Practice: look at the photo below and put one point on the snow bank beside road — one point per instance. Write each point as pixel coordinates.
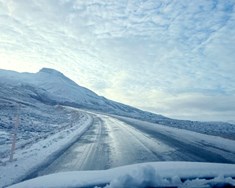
(221, 146)
(41, 152)
(141, 175)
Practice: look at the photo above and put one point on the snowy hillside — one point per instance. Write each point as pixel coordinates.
(51, 87)
(55, 88)
(47, 128)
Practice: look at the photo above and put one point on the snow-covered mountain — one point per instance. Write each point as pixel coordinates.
(51, 86)
(46, 130)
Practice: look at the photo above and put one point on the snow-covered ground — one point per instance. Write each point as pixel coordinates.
(47, 129)
(157, 174)
(225, 147)
(37, 120)
(130, 138)
(52, 87)
(222, 129)
(39, 152)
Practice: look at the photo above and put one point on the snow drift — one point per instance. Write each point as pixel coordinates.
(155, 174)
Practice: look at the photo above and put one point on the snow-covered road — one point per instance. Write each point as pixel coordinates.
(185, 145)
(92, 141)
(112, 142)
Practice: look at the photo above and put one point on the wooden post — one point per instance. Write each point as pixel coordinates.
(17, 122)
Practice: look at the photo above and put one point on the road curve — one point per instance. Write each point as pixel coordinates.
(112, 142)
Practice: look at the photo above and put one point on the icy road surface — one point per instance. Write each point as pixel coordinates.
(115, 141)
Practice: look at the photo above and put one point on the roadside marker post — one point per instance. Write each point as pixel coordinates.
(17, 122)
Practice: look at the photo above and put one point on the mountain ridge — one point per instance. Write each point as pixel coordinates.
(54, 87)
(46, 88)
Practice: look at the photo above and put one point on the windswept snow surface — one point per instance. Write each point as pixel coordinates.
(200, 145)
(47, 130)
(52, 87)
(105, 142)
(158, 174)
(111, 142)
(40, 152)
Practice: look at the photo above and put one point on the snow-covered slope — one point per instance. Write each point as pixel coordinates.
(45, 126)
(49, 86)
(54, 82)
(157, 174)
(55, 88)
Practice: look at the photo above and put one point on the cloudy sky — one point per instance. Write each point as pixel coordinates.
(173, 57)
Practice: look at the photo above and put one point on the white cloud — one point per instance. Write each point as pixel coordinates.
(132, 51)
